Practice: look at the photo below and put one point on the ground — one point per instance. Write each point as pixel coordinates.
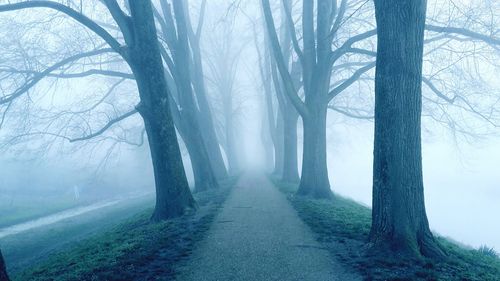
(244, 231)
(259, 236)
(342, 226)
(116, 244)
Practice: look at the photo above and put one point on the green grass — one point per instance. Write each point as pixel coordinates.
(25, 209)
(134, 250)
(343, 226)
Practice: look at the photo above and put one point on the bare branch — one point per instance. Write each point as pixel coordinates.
(84, 20)
(106, 127)
(355, 76)
(22, 90)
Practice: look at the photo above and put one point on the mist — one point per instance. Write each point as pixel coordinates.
(340, 136)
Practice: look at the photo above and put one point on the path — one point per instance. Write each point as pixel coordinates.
(259, 236)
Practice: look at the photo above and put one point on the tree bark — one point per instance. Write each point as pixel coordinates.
(3, 269)
(290, 162)
(314, 181)
(316, 71)
(173, 196)
(278, 144)
(291, 117)
(204, 178)
(206, 116)
(231, 149)
(399, 221)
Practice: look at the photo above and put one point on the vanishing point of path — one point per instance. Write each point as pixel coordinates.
(259, 236)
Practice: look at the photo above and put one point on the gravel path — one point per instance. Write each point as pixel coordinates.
(259, 236)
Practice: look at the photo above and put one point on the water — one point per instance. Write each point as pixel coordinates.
(18, 228)
(462, 184)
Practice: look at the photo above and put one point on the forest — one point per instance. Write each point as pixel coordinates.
(249, 140)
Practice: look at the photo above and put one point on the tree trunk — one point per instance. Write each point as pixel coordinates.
(212, 144)
(206, 116)
(173, 196)
(267, 143)
(232, 151)
(399, 221)
(278, 145)
(3, 269)
(290, 162)
(314, 179)
(189, 113)
(204, 178)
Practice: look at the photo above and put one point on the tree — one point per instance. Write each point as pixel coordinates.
(184, 108)
(399, 220)
(141, 52)
(3, 269)
(288, 112)
(199, 85)
(317, 59)
(223, 62)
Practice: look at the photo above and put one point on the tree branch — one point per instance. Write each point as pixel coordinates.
(292, 31)
(278, 56)
(349, 114)
(355, 76)
(123, 21)
(47, 71)
(465, 32)
(106, 127)
(84, 20)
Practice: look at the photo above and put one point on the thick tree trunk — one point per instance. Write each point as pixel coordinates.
(290, 162)
(278, 145)
(206, 116)
(173, 196)
(3, 269)
(399, 222)
(189, 113)
(291, 117)
(204, 178)
(267, 142)
(212, 145)
(231, 151)
(314, 180)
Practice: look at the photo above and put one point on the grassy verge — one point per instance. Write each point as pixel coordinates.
(135, 249)
(26, 209)
(342, 226)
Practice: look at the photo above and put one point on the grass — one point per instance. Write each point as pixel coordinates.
(135, 249)
(25, 209)
(343, 226)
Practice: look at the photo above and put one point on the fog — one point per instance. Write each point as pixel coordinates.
(52, 162)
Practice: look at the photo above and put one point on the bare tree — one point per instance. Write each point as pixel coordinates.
(317, 59)
(141, 52)
(399, 220)
(336, 50)
(185, 110)
(222, 59)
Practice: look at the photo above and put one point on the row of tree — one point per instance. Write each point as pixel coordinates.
(167, 67)
(316, 55)
(312, 58)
